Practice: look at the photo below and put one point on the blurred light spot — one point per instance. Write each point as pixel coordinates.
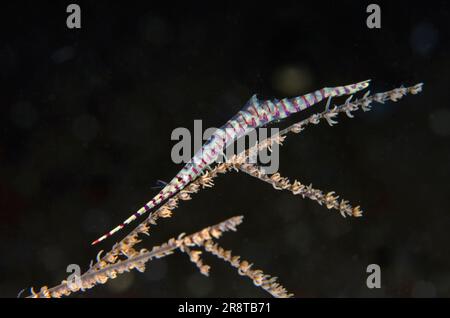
(85, 128)
(423, 289)
(63, 54)
(23, 115)
(199, 285)
(121, 283)
(292, 80)
(424, 38)
(440, 122)
(157, 270)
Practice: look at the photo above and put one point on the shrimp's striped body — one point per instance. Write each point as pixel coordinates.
(255, 114)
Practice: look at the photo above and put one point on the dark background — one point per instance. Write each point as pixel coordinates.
(86, 117)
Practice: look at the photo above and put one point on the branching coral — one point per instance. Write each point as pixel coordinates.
(124, 257)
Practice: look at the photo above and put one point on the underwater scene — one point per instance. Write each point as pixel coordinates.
(289, 149)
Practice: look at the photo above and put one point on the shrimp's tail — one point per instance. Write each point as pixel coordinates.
(154, 202)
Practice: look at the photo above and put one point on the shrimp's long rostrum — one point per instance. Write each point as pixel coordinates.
(253, 115)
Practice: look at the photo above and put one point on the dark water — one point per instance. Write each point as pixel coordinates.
(86, 117)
